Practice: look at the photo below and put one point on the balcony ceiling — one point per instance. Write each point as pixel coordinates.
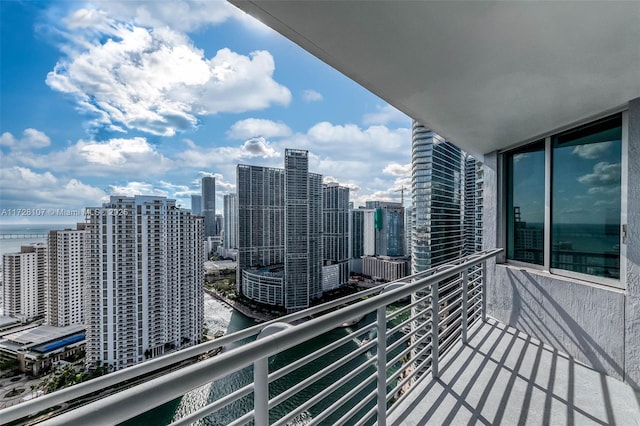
(485, 75)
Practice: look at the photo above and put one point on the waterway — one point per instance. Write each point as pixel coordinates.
(217, 315)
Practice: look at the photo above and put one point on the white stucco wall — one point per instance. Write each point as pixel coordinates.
(596, 324)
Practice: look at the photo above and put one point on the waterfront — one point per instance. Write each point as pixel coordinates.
(199, 397)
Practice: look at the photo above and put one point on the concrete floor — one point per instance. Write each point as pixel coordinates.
(503, 376)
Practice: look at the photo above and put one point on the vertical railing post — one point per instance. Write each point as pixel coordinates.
(434, 330)
(381, 354)
(382, 365)
(483, 287)
(261, 378)
(465, 298)
(261, 391)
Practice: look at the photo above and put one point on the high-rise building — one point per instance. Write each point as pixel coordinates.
(389, 228)
(68, 276)
(24, 277)
(196, 204)
(469, 205)
(208, 187)
(437, 200)
(279, 233)
(408, 226)
(219, 224)
(362, 237)
(335, 231)
(230, 221)
(145, 293)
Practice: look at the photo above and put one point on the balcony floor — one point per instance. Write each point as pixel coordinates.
(504, 376)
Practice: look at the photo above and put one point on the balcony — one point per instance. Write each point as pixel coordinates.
(445, 362)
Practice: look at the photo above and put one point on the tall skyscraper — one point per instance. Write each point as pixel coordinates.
(437, 200)
(279, 233)
(208, 186)
(230, 221)
(362, 237)
(472, 205)
(24, 277)
(145, 295)
(196, 204)
(389, 228)
(335, 233)
(68, 276)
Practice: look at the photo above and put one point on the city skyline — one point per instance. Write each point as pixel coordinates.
(81, 144)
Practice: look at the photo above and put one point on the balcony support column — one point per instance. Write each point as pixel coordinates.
(483, 289)
(465, 297)
(381, 324)
(261, 391)
(261, 378)
(434, 330)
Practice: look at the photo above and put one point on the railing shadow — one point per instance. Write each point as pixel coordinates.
(521, 380)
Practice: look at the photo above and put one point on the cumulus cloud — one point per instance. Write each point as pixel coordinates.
(373, 139)
(311, 96)
(152, 78)
(24, 188)
(128, 157)
(137, 188)
(591, 151)
(384, 115)
(396, 169)
(254, 127)
(198, 156)
(31, 139)
(603, 174)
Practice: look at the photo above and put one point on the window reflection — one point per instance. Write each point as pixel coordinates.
(525, 210)
(585, 194)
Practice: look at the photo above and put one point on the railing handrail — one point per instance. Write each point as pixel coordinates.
(174, 384)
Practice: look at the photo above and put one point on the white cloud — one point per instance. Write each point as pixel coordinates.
(370, 141)
(385, 115)
(152, 78)
(603, 174)
(253, 127)
(25, 189)
(197, 156)
(126, 157)
(311, 96)
(31, 139)
(591, 151)
(137, 188)
(396, 169)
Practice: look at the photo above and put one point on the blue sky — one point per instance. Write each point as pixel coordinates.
(107, 98)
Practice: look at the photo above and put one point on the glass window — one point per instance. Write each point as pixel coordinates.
(525, 209)
(585, 198)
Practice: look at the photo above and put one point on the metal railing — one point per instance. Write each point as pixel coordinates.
(350, 362)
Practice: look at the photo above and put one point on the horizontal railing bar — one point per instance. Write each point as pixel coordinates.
(413, 304)
(172, 385)
(323, 373)
(317, 354)
(404, 323)
(408, 349)
(325, 392)
(448, 318)
(479, 302)
(343, 400)
(475, 296)
(455, 333)
(404, 338)
(215, 406)
(406, 379)
(449, 286)
(359, 406)
(366, 416)
(456, 294)
(113, 379)
(243, 420)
